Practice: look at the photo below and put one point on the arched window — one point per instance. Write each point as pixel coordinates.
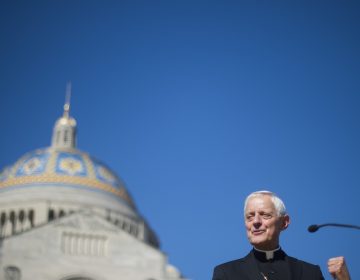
(51, 215)
(66, 136)
(31, 217)
(124, 226)
(12, 220)
(21, 216)
(61, 213)
(2, 219)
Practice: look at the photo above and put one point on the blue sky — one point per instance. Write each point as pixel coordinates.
(195, 104)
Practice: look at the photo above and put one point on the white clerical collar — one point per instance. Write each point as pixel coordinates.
(269, 254)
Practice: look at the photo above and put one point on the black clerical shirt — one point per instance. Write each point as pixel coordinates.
(275, 267)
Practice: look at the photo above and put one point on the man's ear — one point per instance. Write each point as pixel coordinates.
(285, 222)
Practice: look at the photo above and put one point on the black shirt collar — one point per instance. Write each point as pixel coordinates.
(277, 254)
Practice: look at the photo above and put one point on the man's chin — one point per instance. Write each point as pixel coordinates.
(258, 242)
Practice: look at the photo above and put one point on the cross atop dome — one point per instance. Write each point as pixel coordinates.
(67, 100)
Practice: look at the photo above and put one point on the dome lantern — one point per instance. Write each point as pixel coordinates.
(64, 134)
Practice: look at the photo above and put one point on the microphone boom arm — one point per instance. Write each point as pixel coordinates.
(314, 228)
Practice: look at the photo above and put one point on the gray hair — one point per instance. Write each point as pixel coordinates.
(278, 203)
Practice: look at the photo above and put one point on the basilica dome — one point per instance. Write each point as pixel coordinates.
(49, 183)
(64, 168)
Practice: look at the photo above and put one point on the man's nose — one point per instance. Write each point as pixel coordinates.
(257, 219)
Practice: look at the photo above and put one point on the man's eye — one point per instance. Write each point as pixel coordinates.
(267, 216)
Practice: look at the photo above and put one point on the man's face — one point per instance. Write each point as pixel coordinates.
(263, 225)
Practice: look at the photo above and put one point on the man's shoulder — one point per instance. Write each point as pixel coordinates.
(229, 270)
(233, 263)
(307, 269)
(302, 262)
(230, 263)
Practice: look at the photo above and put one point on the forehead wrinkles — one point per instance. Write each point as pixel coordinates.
(257, 204)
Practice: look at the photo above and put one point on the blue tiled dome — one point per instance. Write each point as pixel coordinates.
(63, 165)
(60, 180)
(65, 168)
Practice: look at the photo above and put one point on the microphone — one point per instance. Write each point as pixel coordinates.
(313, 228)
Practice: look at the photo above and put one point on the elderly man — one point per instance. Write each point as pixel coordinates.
(265, 218)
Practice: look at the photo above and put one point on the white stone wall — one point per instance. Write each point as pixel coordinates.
(84, 245)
